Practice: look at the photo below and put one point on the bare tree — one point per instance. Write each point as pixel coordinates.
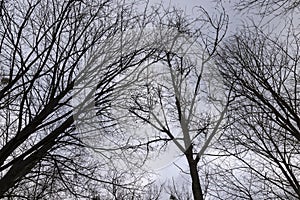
(263, 136)
(176, 99)
(47, 48)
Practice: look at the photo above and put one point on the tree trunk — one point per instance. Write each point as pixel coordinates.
(23, 166)
(196, 187)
